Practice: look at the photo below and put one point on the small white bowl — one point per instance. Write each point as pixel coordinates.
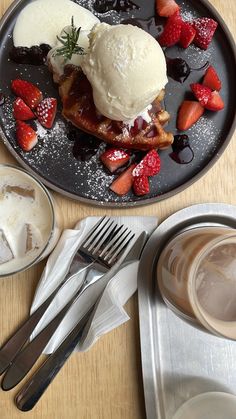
(212, 405)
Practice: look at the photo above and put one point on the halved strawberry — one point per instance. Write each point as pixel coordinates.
(201, 92)
(21, 111)
(205, 29)
(189, 113)
(113, 158)
(141, 185)
(123, 183)
(215, 102)
(172, 30)
(26, 136)
(46, 112)
(27, 91)
(187, 34)
(211, 79)
(166, 7)
(149, 166)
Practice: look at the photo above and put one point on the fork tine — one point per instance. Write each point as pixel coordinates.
(95, 231)
(103, 238)
(112, 256)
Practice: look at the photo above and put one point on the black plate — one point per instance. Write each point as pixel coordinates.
(52, 160)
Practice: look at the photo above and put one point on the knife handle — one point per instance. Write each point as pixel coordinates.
(31, 392)
(14, 344)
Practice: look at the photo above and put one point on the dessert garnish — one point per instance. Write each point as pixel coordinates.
(189, 112)
(179, 70)
(123, 183)
(35, 55)
(26, 136)
(69, 41)
(21, 111)
(104, 6)
(114, 158)
(46, 112)
(182, 152)
(27, 91)
(166, 8)
(211, 79)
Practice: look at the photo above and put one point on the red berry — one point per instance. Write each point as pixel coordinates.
(215, 102)
(26, 136)
(187, 34)
(123, 183)
(46, 112)
(189, 113)
(27, 91)
(211, 79)
(141, 185)
(172, 30)
(21, 111)
(149, 166)
(205, 29)
(201, 92)
(166, 7)
(113, 158)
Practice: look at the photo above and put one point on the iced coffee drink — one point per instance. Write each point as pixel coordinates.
(29, 227)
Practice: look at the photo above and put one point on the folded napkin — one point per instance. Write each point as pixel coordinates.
(109, 312)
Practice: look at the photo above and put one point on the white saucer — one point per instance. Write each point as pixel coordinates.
(213, 405)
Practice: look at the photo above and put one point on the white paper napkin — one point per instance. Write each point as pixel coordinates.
(109, 312)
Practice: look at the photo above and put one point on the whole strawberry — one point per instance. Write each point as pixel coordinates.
(27, 91)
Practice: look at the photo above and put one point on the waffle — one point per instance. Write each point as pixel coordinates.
(78, 108)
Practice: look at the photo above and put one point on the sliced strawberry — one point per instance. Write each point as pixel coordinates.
(189, 113)
(46, 112)
(215, 103)
(113, 158)
(123, 184)
(27, 91)
(187, 34)
(141, 185)
(201, 92)
(211, 79)
(21, 111)
(26, 136)
(172, 30)
(205, 29)
(149, 166)
(166, 7)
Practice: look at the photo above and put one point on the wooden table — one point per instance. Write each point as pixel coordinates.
(105, 383)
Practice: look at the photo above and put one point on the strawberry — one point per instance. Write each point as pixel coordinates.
(211, 79)
(166, 7)
(46, 112)
(201, 92)
(149, 166)
(21, 111)
(26, 136)
(113, 158)
(189, 113)
(141, 185)
(123, 183)
(215, 102)
(205, 29)
(27, 91)
(187, 34)
(172, 30)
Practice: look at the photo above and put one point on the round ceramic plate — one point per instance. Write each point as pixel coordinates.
(52, 160)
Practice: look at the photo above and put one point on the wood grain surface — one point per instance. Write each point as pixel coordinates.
(105, 383)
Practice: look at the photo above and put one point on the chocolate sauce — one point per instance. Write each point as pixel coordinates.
(85, 145)
(104, 6)
(179, 70)
(182, 152)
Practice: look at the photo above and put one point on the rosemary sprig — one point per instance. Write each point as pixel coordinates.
(70, 43)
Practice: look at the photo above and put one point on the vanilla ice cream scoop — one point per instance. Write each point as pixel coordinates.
(126, 68)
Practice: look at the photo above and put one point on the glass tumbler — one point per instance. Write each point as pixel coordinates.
(196, 274)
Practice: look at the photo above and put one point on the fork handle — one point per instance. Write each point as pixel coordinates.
(31, 392)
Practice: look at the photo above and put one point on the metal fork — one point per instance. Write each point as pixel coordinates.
(104, 258)
(96, 245)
